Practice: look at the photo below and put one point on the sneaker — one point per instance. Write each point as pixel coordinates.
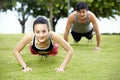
(90, 41)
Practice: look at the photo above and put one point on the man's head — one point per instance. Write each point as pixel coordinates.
(81, 5)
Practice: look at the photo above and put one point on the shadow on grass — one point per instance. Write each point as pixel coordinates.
(85, 46)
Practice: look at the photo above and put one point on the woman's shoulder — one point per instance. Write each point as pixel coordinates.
(54, 34)
(29, 36)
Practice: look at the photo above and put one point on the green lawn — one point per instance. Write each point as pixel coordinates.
(86, 64)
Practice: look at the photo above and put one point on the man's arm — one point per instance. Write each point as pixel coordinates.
(94, 21)
(68, 27)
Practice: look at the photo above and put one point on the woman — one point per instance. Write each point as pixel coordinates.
(43, 41)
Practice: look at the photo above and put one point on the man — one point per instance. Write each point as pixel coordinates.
(79, 23)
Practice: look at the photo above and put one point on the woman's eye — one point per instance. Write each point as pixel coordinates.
(44, 31)
(37, 31)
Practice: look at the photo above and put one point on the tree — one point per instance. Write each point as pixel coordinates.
(7, 4)
(105, 8)
(49, 8)
(34, 8)
(55, 9)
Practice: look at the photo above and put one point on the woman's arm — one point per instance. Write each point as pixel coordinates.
(57, 38)
(19, 47)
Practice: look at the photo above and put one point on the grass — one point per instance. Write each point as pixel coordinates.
(86, 64)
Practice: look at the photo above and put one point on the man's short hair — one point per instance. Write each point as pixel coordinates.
(81, 5)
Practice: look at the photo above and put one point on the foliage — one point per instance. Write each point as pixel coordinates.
(55, 9)
(85, 64)
(105, 8)
(7, 4)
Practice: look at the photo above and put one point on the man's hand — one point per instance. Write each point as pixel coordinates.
(59, 70)
(97, 48)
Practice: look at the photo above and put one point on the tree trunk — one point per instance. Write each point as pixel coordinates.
(23, 29)
(51, 16)
(22, 22)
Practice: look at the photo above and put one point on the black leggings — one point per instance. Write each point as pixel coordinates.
(77, 36)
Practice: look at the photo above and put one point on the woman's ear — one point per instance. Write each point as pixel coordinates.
(48, 30)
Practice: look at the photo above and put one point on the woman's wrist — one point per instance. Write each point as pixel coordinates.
(26, 69)
(23, 67)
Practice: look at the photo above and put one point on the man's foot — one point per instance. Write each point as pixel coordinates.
(90, 41)
(43, 57)
(75, 42)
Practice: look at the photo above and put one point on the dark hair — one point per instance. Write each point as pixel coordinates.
(40, 20)
(81, 5)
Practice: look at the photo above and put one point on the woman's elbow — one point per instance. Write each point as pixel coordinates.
(15, 51)
(71, 51)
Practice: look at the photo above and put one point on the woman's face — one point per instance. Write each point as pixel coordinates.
(82, 13)
(42, 32)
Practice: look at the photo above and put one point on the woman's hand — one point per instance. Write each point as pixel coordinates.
(27, 69)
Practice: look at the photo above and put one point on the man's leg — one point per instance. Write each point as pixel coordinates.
(89, 35)
(76, 36)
